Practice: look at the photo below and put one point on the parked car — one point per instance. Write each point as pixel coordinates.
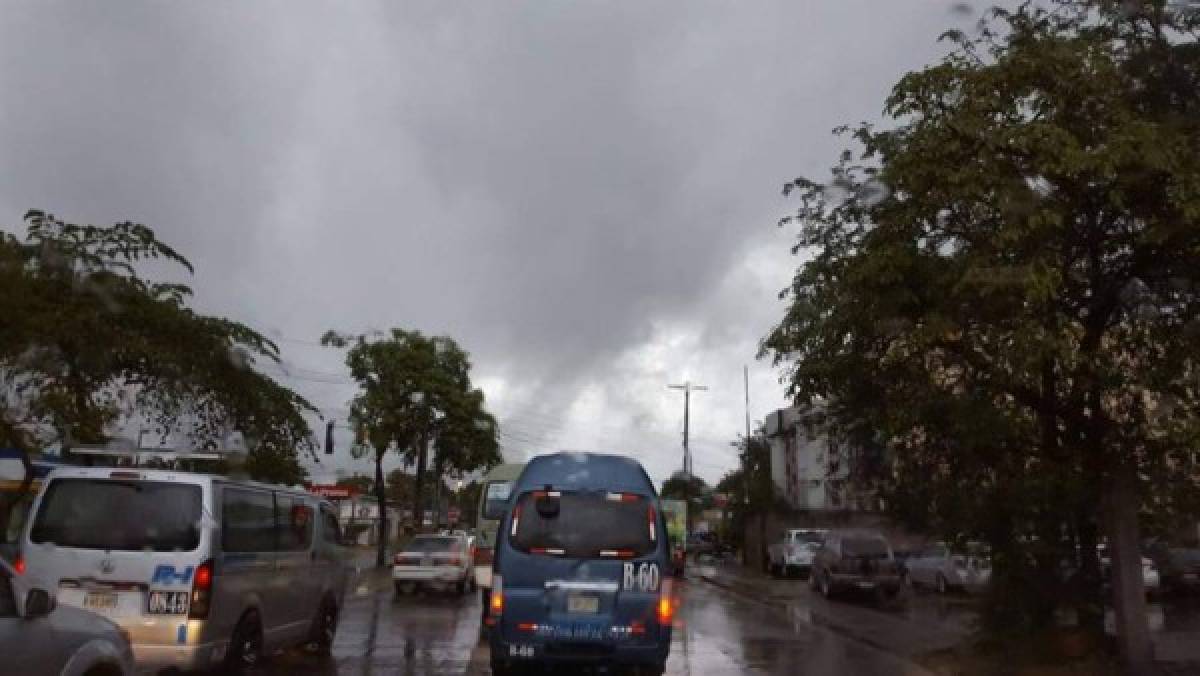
(39, 637)
(794, 552)
(1178, 567)
(435, 560)
(939, 567)
(855, 560)
(200, 570)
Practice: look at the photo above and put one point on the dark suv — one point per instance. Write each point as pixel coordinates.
(856, 560)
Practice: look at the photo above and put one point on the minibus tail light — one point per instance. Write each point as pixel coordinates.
(495, 601)
(19, 565)
(202, 583)
(666, 604)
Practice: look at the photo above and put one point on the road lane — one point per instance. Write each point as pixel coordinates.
(717, 633)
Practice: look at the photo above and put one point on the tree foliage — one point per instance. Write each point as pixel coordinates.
(416, 390)
(1005, 285)
(88, 342)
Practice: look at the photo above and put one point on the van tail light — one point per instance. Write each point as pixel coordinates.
(496, 600)
(202, 582)
(666, 604)
(651, 517)
(516, 519)
(19, 565)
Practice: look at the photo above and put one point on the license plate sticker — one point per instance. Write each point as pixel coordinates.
(167, 603)
(583, 603)
(99, 600)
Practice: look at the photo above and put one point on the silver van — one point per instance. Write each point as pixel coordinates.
(199, 570)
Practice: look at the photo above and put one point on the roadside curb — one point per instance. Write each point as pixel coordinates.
(819, 621)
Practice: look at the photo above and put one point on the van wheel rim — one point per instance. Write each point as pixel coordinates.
(330, 628)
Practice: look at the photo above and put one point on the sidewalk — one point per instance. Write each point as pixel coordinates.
(922, 627)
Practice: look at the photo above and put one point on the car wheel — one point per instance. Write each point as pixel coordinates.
(245, 648)
(324, 629)
(814, 581)
(500, 668)
(826, 587)
(941, 584)
(461, 587)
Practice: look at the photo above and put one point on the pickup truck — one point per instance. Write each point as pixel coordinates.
(793, 553)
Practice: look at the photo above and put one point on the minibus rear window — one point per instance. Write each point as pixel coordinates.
(586, 526)
(116, 515)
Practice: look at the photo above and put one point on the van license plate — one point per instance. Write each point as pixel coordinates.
(582, 603)
(99, 601)
(167, 603)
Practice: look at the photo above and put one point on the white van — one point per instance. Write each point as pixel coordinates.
(199, 570)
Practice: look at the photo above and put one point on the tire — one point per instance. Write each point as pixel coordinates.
(461, 587)
(500, 668)
(324, 629)
(246, 645)
(813, 582)
(826, 587)
(941, 585)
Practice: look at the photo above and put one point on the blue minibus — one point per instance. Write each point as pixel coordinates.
(581, 570)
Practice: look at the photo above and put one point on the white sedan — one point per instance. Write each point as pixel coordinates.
(435, 560)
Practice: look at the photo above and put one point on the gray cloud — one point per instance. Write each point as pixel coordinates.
(561, 186)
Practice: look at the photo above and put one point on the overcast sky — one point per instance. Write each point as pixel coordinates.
(583, 194)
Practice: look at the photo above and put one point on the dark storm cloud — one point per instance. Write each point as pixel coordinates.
(551, 183)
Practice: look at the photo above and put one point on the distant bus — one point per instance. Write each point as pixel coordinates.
(493, 501)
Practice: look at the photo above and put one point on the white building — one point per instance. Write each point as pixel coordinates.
(811, 462)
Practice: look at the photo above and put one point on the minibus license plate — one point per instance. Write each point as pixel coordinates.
(168, 602)
(582, 603)
(100, 601)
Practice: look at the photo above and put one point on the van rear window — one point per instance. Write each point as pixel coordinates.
(586, 525)
(156, 516)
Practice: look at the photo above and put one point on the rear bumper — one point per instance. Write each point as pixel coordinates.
(155, 658)
(848, 581)
(444, 575)
(555, 653)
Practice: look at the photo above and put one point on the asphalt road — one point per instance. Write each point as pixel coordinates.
(716, 633)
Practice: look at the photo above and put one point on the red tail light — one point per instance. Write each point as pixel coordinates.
(651, 518)
(202, 582)
(19, 565)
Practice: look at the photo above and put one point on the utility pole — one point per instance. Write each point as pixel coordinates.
(687, 388)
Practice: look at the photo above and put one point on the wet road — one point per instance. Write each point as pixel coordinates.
(716, 633)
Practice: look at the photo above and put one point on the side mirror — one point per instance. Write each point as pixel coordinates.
(38, 603)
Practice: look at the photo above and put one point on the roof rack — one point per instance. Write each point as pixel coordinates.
(140, 454)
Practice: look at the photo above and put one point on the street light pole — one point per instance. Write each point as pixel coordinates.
(687, 388)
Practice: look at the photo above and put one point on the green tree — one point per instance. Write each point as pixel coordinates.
(416, 390)
(679, 487)
(400, 485)
(88, 342)
(1005, 286)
